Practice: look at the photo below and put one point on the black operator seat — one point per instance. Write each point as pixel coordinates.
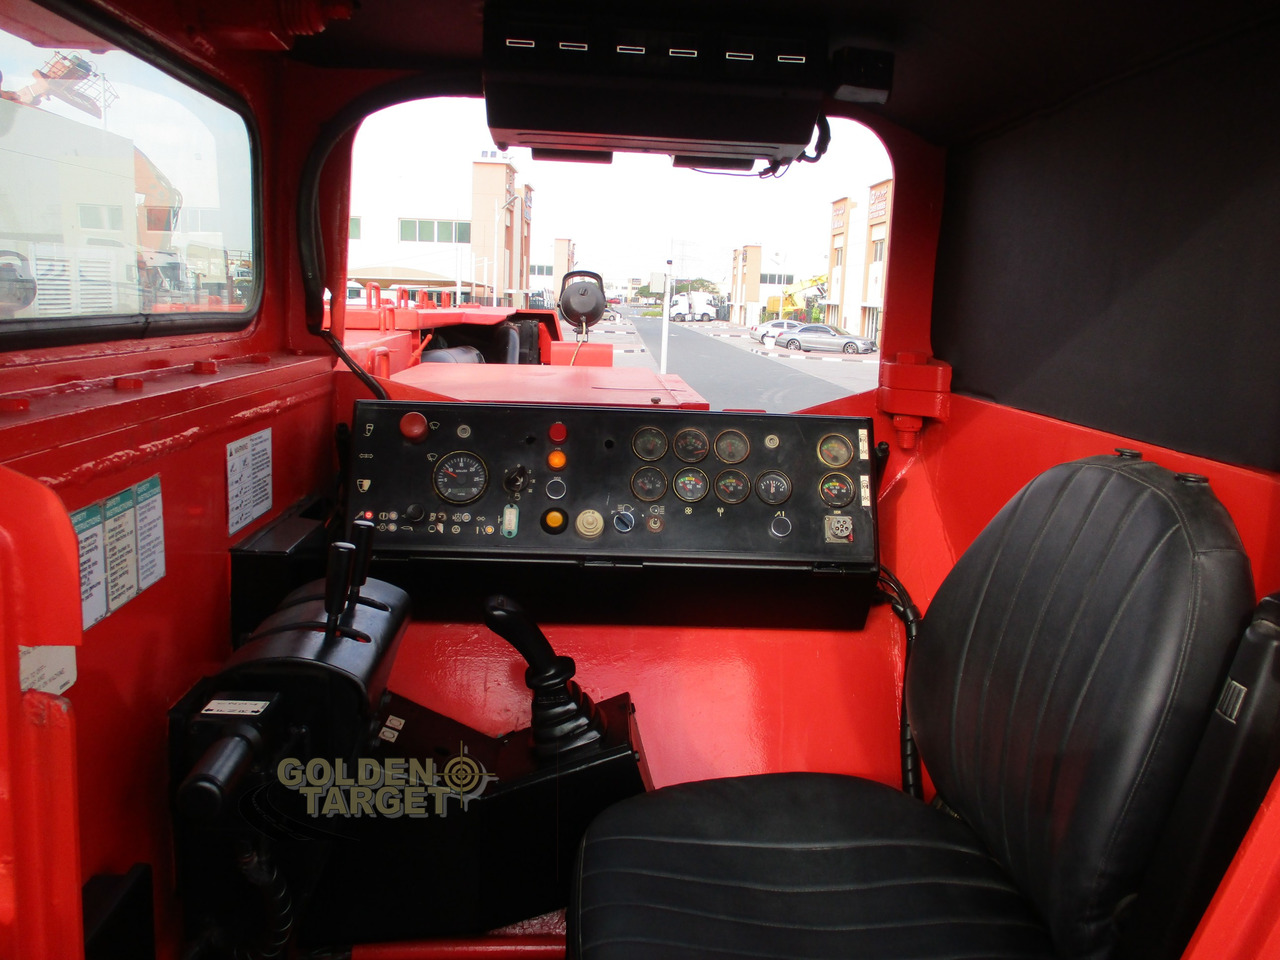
(1062, 679)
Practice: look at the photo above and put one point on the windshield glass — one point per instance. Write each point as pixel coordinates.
(435, 206)
(123, 191)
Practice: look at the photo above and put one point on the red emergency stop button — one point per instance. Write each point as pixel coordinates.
(558, 432)
(413, 426)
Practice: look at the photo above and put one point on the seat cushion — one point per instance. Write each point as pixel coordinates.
(794, 865)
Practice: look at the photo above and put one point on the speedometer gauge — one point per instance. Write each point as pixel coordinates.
(460, 477)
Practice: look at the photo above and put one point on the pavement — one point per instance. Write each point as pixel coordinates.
(630, 351)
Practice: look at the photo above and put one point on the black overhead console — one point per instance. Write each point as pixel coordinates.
(578, 81)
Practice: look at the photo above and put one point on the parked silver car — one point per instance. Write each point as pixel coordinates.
(822, 336)
(771, 328)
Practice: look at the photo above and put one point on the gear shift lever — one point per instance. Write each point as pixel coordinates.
(564, 718)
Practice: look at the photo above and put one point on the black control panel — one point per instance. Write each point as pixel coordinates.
(615, 486)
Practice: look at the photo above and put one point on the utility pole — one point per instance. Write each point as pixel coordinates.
(666, 318)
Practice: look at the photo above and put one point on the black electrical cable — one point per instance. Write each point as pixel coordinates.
(366, 378)
(892, 590)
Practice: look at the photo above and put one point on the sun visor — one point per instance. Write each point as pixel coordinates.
(572, 83)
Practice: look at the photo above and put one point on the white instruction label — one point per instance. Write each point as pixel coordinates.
(248, 479)
(150, 509)
(47, 669)
(121, 531)
(121, 548)
(235, 708)
(93, 564)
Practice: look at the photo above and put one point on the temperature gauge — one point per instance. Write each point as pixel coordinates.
(733, 486)
(773, 487)
(836, 490)
(460, 477)
(649, 483)
(691, 445)
(732, 446)
(835, 450)
(690, 485)
(649, 443)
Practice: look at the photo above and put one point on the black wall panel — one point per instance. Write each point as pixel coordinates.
(1116, 262)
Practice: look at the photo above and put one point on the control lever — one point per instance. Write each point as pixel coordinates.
(337, 581)
(564, 718)
(362, 540)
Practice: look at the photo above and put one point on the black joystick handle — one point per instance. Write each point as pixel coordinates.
(337, 581)
(362, 540)
(508, 620)
(564, 718)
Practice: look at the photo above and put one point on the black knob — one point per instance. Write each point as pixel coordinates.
(212, 781)
(517, 479)
(362, 537)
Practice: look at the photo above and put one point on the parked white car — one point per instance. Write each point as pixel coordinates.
(769, 330)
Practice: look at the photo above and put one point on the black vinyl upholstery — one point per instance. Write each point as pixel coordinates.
(1061, 682)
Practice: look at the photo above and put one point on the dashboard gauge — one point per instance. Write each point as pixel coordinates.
(649, 443)
(690, 485)
(460, 477)
(733, 486)
(773, 487)
(835, 450)
(732, 446)
(649, 483)
(691, 445)
(836, 490)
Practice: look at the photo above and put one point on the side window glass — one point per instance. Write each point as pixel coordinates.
(124, 192)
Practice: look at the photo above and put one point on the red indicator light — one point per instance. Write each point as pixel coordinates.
(558, 433)
(368, 514)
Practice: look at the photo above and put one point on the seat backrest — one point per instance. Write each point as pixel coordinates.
(1065, 672)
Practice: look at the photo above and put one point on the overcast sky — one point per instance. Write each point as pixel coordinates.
(629, 217)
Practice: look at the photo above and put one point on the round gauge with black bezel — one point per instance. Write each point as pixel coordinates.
(733, 486)
(732, 446)
(691, 445)
(460, 477)
(773, 487)
(836, 490)
(649, 484)
(649, 443)
(835, 450)
(690, 484)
